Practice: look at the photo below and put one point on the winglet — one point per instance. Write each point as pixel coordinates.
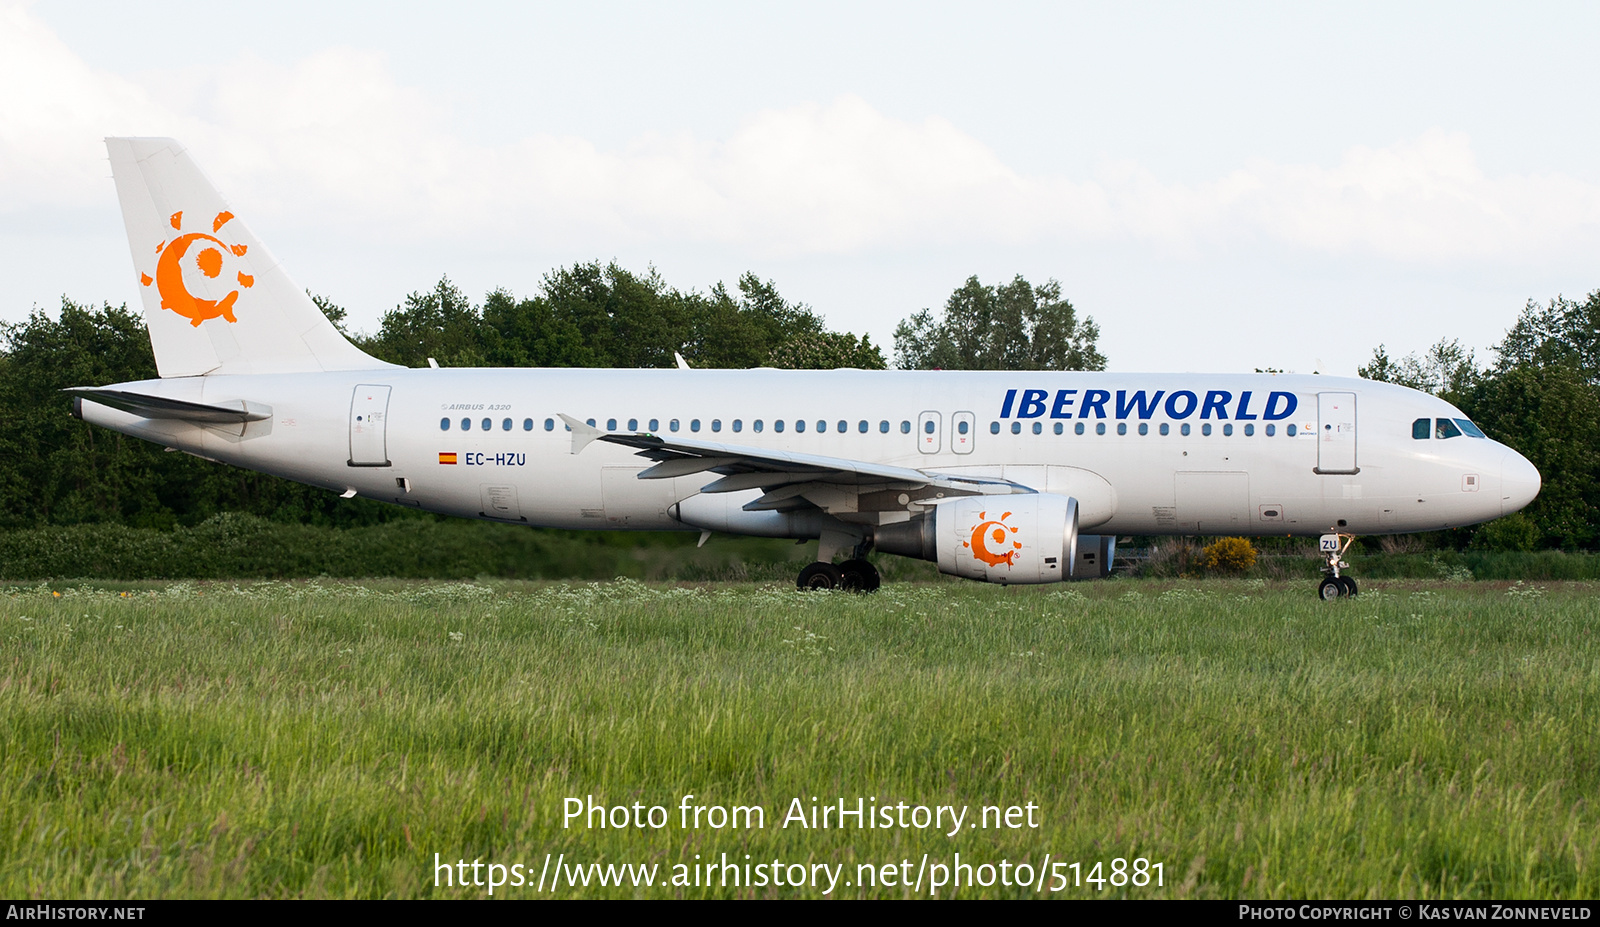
(582, 433)
(682, 364)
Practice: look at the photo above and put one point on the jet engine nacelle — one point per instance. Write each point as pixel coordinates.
(1025, 538)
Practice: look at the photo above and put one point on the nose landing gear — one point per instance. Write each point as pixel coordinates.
(1334, 585)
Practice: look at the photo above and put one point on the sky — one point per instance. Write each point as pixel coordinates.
(1221, 186)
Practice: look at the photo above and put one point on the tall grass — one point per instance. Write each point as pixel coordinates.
(327, 738)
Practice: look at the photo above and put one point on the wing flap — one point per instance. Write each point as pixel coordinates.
(854, 490)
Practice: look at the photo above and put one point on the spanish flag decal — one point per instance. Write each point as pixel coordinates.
(447, 458)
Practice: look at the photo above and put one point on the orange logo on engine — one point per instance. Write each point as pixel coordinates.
(994, 532)
(207, 259)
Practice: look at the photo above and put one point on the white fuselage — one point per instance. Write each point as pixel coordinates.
(1356, 468)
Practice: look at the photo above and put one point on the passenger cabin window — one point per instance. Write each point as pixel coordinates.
(1038, 428)
(1206, 429)
(527, 424)
(883, 427)
(489, 426)
(1122, 428)
(694, 424)
(994, 428)
(1446, 429)
(1421, 429)
(778, 426)
(844, 426)
(549, 424)
(655, 424)
(716, 424)
(1165, 428)
(962, 427)
(863, 427)
(1289, 431)
(757, 425)
(1016, 428)
(1077, 429)
(1144, 428)
(1249, 430)
(1060, 428)
(611, 424)
(466, 424)
(905, 428)
(505, 424)
(444, 424)
(799, 425)
(1100, 428)
(738, 425)
(672, 425)
(822, 427)
(633, 424)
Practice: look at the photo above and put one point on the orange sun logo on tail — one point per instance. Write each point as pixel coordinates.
(209, 257)
(993, 532)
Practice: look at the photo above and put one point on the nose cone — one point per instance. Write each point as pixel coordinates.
(1519, 482)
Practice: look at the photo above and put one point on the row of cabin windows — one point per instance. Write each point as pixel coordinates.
(759, 425)
(863, 427)
(1423, 428)
(1144, 429)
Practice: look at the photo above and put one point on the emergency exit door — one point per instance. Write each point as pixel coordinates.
(929, 426)
(1336, 433)
(963, 429)
(369, 412)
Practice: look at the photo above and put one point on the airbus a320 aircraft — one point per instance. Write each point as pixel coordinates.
(994, 476)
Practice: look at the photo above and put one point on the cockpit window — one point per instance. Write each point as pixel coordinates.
(1445, 428)
(1470, 428)
(1422, 429)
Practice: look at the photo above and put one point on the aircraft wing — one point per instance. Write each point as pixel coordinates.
(854, 490)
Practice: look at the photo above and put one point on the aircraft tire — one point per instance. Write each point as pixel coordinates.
(1330, 589)
(1349, 584)
(820, 575)
(859, 576)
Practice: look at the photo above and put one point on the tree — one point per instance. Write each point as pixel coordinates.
(1448, 370)
(826, 351)
(1561, 332)
(1546, 412)
(1015, 326)
(593, 315)
(442, 324)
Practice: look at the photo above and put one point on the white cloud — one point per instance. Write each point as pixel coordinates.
(334, 139)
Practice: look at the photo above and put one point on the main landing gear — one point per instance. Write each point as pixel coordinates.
(857, 575)
(1334, 585)
(854, 575)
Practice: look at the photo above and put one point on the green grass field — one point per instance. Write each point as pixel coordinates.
(326, 739)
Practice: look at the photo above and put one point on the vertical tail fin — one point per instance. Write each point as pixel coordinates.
(215, 300)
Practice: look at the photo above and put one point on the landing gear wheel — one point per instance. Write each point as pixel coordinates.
(820, 575)
(1349, 584)
(1330, 589)
(859, 576)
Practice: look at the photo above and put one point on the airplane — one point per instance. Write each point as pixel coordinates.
(997, 476)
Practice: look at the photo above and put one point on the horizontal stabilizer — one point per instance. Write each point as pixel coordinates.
(231, 412)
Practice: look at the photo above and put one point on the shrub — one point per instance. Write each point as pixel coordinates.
(1228, 555)
(1515, 532)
